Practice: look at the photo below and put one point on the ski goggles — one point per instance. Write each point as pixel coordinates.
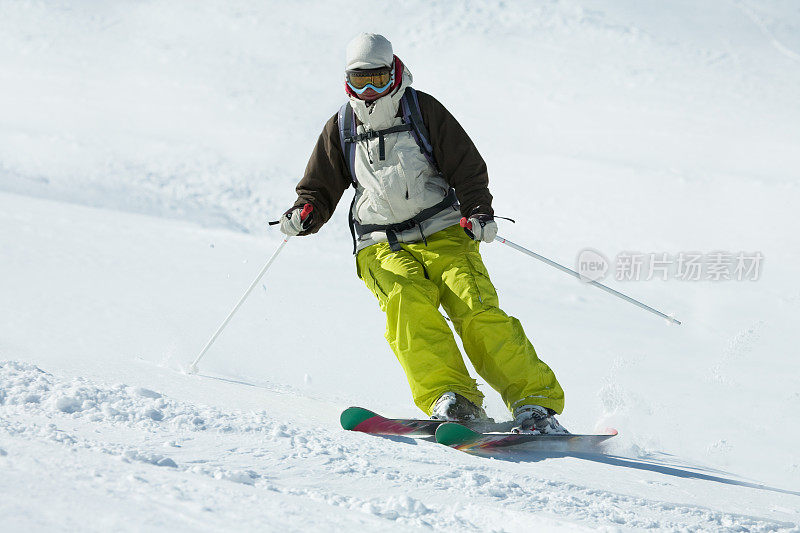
(377, 79)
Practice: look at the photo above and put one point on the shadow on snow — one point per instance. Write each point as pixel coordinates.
(648, 464)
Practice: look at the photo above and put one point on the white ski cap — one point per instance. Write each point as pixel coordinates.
(369, 50)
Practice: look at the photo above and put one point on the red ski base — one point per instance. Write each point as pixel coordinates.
(364, 420)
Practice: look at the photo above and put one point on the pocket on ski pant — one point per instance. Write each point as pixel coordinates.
(487, 295)
(367, 275)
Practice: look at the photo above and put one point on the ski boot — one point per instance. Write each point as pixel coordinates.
(453, 407)
(537, 420)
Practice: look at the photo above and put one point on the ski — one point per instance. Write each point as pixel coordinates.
(465, 439)
(366, 421)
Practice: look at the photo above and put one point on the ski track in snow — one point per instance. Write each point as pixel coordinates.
(779, 46)
(141, 427)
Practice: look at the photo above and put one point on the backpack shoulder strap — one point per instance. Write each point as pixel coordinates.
(347, 133)
(413, 116)
(347, 130)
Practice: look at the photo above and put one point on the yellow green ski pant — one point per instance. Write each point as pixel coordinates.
(411, 284)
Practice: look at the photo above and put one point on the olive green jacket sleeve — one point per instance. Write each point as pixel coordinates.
(457, 157)
(326, 177)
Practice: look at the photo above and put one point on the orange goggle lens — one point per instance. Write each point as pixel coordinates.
(360, 79)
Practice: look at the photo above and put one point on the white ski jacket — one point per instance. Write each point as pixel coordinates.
(400, 186)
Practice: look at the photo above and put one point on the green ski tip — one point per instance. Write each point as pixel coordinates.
(452, 434)
(353, 416)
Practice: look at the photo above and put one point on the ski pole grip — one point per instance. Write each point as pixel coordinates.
(465, 223)
(307, 209)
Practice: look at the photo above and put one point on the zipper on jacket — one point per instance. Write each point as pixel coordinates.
(369, 155)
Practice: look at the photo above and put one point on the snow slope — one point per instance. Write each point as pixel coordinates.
(143, 145)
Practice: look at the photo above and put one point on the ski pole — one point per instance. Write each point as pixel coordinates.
(467, 224)
(193, 367)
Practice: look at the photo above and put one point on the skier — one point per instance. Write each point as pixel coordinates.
(416, 173)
